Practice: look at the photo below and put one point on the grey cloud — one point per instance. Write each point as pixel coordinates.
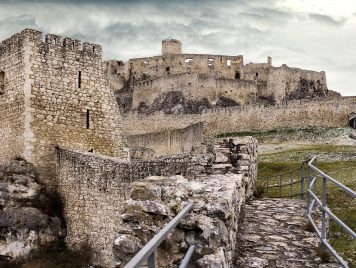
(254, 28)
(328, 20)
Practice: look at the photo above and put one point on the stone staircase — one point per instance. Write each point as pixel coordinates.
(273, 235)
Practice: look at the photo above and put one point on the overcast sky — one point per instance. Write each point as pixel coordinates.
(311, 34)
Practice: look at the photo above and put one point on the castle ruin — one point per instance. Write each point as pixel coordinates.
(58, 111)
(206, 81)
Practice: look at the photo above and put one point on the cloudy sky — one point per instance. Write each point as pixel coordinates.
(311, 34)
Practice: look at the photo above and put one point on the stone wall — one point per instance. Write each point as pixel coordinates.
(12, 98)
(194, 87)
(56, 95)
(170, 142)
(213, 223)
(303, 113)
(94, 187)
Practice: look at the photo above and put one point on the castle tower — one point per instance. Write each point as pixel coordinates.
(54, 93)
(171, 46)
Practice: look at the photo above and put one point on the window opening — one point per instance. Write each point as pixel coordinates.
(2, 83)
(88, 119)
(79, 79)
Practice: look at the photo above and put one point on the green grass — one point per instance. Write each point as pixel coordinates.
(336, 161)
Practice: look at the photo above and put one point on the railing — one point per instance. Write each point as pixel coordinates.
(147, 253)
(312, 200)
(275, 186)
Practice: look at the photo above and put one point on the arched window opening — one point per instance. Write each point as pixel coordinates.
(237, 75)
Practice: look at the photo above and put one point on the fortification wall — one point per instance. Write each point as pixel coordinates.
(116, 72)
(213, 65)
(303, 113)
(170, 142)
(94, 188)
(285, 82)
(12, 97)
(72, 104)
(66, 100)
(194, 87)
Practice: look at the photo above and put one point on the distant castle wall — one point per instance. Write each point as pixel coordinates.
(194, 87)
(323, 112)
(171, 141)
(211, 65)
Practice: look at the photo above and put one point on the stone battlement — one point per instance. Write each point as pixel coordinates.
(50, 41)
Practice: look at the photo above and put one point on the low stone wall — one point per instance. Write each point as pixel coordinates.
(94, 187)
(170, 142)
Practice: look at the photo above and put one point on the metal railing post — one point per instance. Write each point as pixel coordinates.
(308, 195)
(151, 262)
(280, 186)
(302, 181)
(323, 213)
(316, 176)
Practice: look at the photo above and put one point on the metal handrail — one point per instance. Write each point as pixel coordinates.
(280, 184)
(312, 199)
(147, 253)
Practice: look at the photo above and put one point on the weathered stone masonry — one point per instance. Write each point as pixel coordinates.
(95, 187)
(326, 113)
(170, 142)
(55, 94)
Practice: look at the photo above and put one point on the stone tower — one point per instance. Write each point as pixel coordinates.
(171, 46)
(54, 93)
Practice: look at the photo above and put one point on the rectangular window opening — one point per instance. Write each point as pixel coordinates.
(88, 119)
(79, 79)
(228, 63)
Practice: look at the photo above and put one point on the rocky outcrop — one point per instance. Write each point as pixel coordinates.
(27, 220)
(212, 224)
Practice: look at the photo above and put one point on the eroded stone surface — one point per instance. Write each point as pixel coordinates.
(26, 223)
(273, 235)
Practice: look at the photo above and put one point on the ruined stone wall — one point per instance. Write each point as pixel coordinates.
(326, 113)
(116, 72)
(212, 225)
(279, 83)
(12, 97)
(170, 142)
(194, 87)
(212, 65)
(94, 187)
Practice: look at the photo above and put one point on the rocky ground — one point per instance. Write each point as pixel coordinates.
(28, 220)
